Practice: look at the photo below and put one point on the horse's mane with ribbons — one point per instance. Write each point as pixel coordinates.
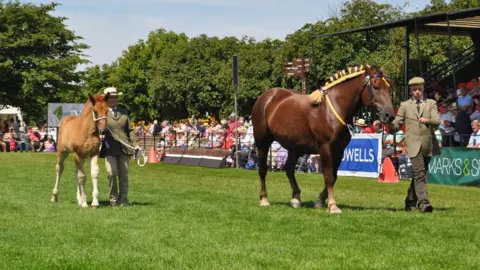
(341, 76)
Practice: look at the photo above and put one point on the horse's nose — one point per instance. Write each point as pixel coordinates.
(389, 117)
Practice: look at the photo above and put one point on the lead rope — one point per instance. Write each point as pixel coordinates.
(136, 152)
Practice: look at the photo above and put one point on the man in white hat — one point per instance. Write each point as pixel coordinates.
(421, 117)
(117, 149)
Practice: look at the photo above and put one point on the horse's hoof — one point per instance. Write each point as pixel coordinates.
(54, 199)
(320, 204)
(295, 203)
(264, 202)
(94, 206)
(333, 209)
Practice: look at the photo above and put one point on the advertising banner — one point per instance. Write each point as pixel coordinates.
(56, 112)
(363, 156)
(455, 166)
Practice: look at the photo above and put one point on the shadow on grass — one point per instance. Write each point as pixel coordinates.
(311, 204)
(105, 203)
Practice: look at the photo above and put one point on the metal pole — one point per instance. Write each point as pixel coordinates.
(451, 51)
(419, 53)
(407, 61)
(314, 61)
(235, 83)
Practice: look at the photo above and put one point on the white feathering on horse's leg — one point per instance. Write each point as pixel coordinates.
(81, 181)
(333, 209)
(94, 171)
(58, 170)
(295, 203)
(79, 198)
(264, 202)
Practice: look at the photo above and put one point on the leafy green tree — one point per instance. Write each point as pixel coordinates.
(38, 57)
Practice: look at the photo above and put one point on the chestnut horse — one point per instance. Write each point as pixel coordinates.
(303, 124)
(80, 135)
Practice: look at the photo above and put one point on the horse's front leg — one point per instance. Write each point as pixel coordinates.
(94, 169)
(336, 161)
(326, 156)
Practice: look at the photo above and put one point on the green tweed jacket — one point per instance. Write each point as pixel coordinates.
(419, 136)
(119, 130)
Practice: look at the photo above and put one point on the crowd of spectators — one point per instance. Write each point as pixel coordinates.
(16, 136)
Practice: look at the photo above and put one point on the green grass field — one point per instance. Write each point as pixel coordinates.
(197, 218)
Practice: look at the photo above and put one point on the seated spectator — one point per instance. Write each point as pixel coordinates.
(313, 163)
(393, 144)
(218, 138)
(438, 135)
(463, 122)
(445, 113)
(447, 132)
(245, 140)
(362, 126)
(453, 110)
(281, 158)
(49, 145)
(193, 139)
(229, 140)
(476, 113)
(377, 126)
(474, 141)
(3, 145)
(10, 139)
(452, 97)
(35, 139)
(23, 142)
(181, 138)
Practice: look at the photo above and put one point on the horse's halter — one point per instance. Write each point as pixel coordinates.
(95, 119)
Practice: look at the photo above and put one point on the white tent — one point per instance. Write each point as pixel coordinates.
(9, 111)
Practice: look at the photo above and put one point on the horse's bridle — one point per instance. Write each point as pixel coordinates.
(370, 92)
(370, 98)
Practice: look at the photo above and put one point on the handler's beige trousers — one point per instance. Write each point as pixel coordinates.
(117, 166)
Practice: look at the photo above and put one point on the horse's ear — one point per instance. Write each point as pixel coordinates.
(92, 100)
(107, 96)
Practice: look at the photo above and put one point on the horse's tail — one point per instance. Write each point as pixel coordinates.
(261, 132)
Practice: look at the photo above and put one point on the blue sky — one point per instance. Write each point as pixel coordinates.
(110, 26)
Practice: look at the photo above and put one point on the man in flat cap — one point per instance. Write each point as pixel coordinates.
(421, 117)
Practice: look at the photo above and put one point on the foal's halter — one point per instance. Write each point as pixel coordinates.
(95, 119)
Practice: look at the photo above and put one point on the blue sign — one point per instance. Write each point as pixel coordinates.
(362, 156)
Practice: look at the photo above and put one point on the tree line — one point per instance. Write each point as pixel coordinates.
(170, 75)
